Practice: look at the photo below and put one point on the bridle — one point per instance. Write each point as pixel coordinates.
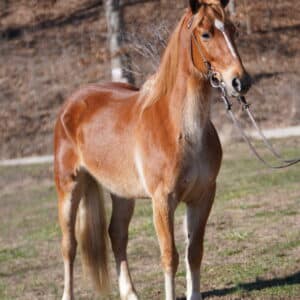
(216, 82)
(219, 84)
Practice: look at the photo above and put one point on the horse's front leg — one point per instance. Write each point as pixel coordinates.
(163, 214)
(196, 218)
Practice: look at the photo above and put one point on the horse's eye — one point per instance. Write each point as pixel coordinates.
(206, 36)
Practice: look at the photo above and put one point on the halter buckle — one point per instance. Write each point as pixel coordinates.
(190, 22)
(215, 79)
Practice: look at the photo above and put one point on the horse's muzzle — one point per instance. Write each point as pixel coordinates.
(242, 84)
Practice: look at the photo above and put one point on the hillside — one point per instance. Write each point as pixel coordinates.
(50, 48)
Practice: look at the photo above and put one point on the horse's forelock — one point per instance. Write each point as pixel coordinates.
(206, 5)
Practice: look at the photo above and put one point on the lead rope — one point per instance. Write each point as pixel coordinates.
(216, 83)
(246, 107)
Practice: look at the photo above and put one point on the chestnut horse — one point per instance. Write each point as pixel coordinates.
(157, 142)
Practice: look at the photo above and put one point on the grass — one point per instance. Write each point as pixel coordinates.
(15, 254)
(3, 295)
(252, 244)
(238, 235)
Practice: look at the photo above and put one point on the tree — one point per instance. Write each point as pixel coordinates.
(231, 8)
(119, 59)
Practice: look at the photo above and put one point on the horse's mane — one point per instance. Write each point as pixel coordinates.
(162, 82)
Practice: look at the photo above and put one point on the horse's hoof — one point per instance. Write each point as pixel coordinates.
(195, 296)
(132, 296)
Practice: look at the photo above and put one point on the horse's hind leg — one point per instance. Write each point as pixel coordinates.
(196, 217)
(122, 211)
(69, 199)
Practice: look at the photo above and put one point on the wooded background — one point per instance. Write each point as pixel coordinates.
(50, 48)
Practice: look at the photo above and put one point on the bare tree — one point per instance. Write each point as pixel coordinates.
(248, 17)
(231, 7)
(295, 102)
(120, 60)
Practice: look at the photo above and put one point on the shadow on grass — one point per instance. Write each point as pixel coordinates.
(253, 286)
(256, 286)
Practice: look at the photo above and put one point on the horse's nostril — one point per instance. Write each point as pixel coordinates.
(248, 81)
(237, 85)
(242, 85)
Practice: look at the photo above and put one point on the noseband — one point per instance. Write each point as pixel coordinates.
(216, 82)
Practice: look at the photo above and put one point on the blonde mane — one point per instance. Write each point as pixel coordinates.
(162, 82)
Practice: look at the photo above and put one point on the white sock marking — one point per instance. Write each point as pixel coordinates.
(169, 287)
(125, 283)
(67, 281)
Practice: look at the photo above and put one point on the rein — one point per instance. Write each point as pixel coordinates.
(219, 84)
(215, 80)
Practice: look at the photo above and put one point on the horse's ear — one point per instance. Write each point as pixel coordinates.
(224, 2)
(195, 5)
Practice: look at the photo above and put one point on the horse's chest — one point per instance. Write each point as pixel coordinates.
(199, 170)
(194, 175)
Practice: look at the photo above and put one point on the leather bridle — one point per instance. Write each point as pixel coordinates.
(216, 82)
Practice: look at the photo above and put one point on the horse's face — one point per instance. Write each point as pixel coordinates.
(213, 41)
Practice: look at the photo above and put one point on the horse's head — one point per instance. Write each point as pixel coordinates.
(212, 42)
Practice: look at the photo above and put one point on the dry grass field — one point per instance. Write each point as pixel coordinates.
(48, 49)
(252, 244)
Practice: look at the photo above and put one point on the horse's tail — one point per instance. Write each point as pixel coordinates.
(91, 234)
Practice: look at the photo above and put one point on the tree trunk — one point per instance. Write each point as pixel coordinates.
(119, 59)
(231, 8)
(295, 102)
(249, 24)
(248, 17)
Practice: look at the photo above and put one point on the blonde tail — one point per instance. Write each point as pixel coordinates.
(91, 234)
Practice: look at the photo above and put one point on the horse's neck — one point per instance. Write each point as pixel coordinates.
(187, 101)
(196, 110)
(188, 107)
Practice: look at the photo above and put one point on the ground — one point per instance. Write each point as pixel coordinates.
(252, 243)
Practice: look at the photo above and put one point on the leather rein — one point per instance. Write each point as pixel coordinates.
(216, 81)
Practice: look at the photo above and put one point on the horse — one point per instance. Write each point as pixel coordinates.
(157, 142)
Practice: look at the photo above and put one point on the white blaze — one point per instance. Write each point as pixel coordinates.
(220, 25)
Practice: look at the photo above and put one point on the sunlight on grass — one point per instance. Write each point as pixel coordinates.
(241, 176)
(46, 232)
(238, 235)
(251, 246)
(3, 292)
(16, 253)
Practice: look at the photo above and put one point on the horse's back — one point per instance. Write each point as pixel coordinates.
(108, 91)
(98, 123)
(89, 100)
